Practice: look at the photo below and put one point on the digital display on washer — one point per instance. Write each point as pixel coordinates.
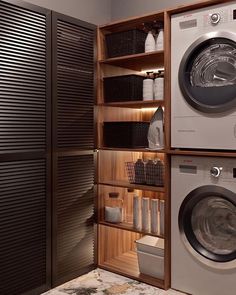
(187, 24)
(234, 14)
(190, 169)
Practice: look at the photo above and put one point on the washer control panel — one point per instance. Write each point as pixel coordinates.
(215, 18)
(216, 171)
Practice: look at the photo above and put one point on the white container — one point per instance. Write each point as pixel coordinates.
(162, 217)
(150, 44)
(136, 212)
(151, 265)
(148, 89)
(160, 40)
(113, 214)
(145, 215)
(151, 245)
(154, 215)
(159, 88)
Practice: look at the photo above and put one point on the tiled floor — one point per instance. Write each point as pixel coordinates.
(101, 282)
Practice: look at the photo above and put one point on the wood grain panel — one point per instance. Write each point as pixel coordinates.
(114, 242)
(112, 164)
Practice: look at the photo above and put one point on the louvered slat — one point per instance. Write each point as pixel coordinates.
(74, 215)
(75, 86)
(22, 79)
(22, 225)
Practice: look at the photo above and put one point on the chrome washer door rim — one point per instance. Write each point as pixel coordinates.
(188, 96)
(188, 237)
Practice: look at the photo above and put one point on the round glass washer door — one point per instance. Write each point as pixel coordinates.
(207, 223)
(207, 73)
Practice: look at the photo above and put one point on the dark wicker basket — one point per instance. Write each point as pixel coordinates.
(125, 43)
(123, 88)
(125, 134)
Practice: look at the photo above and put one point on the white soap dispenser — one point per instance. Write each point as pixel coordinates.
(160, 40)
(150, 44)
(148, 87)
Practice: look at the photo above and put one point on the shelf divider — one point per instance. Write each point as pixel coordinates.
(139, 104)
(138, 62)
(126, 226)
(126, 184)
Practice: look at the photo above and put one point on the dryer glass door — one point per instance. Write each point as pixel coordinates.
(207, 74)
(207, 218)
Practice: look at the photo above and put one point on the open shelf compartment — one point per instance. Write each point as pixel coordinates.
(118, 254)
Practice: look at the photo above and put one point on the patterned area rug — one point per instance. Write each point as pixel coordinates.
(101, 282)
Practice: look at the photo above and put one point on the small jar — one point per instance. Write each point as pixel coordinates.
(113, 208)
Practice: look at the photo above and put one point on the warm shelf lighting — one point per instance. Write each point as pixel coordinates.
(152, 70)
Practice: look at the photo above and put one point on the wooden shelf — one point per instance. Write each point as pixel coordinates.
(135, 104)
(126, 184)
(138, 62)
(142, 150)
(207, 153)
(127, 226)
(127, 263)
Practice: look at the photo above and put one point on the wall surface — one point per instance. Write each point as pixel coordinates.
(125, 8)
(93, 11)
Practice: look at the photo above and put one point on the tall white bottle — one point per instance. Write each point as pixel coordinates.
(154, 216)
(159, 86)
(145, 215)
(148, 87)
(150, 44)
(162, 217)
(136, 212)
(160, 40)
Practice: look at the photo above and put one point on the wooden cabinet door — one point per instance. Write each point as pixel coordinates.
(25, 148)
(73, 147)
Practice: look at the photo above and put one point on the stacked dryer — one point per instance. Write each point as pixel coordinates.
(203, 116)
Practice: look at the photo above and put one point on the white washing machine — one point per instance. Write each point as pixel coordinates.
(203, 225)
(203, 78)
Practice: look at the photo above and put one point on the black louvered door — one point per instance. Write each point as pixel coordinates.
(25, 161)
(73, 147)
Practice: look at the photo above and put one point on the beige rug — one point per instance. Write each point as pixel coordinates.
(101, 282)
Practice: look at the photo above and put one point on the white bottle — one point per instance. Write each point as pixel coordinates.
(154, 216)
(148, 87)
(136, 212)
(159, 86)
(160, 40)
(162, 218)
(150, 44)
(145, 215)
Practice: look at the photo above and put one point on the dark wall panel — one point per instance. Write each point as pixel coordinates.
(74, 216)
(22, 79)
(74, 84)
(25, 147)
(23, 228)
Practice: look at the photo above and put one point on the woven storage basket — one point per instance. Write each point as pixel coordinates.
(125, 134)
(125, 43)
(123, 88)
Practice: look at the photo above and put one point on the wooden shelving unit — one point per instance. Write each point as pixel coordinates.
(116, 242)
(135, 104)
(140, 150)
(126, 184)
(137, 62)
(129, 227)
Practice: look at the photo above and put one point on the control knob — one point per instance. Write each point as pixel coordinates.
(215, 171)
(215, 18)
